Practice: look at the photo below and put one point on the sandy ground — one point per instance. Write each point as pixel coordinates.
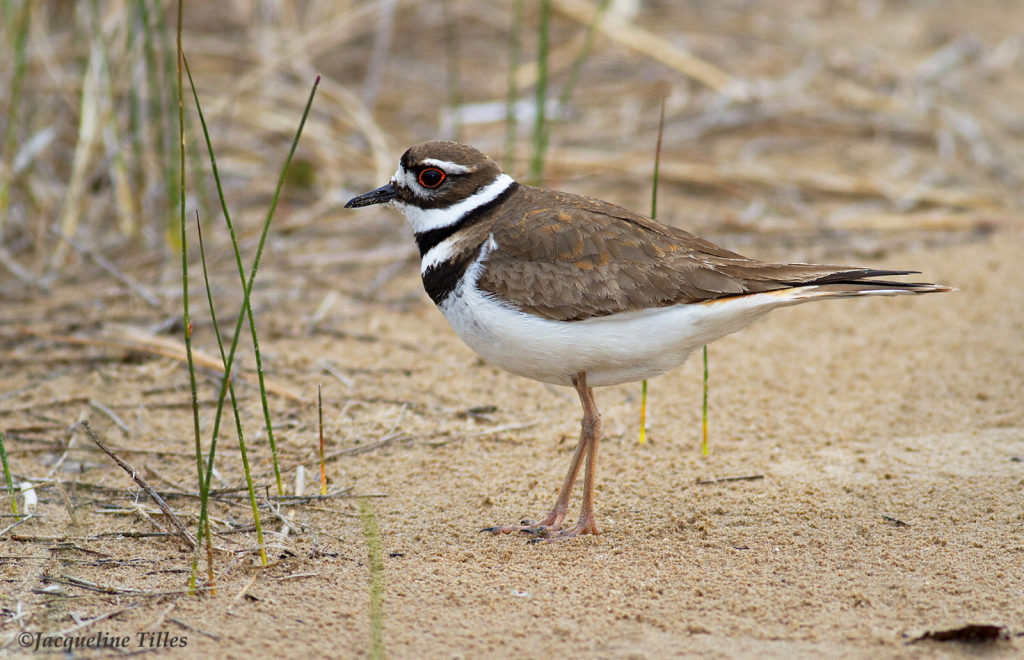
(850, 410)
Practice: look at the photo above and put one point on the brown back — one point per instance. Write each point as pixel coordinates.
(565, 257)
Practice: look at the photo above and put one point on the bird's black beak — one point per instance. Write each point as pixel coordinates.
(381, 195)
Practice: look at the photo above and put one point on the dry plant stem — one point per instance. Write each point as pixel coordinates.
(654, 46)
(379, 58)
(161, 346)
(103, 263)
(729, 175)
(174, 526)
(723, 480)
(16, 269)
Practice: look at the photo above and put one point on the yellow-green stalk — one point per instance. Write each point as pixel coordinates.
(654, 215)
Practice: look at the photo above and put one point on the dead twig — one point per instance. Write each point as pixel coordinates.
(197, 630)
(20, 272)
(353, 451)
(722, 480)
(111, 414)
(91, 586)
(13, 525)
(129, 281)
(189, 540)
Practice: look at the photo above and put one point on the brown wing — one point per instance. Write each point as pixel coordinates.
(595, 259)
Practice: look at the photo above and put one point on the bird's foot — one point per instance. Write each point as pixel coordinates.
(551, 523)
(587, 525)
(549, 530)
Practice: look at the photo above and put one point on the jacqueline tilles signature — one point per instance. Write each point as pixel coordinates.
(101, 640)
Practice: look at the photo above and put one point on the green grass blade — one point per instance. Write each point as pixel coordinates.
(540, 129)
(705, 407)
(175, 93)
(246, 311)
(17, 82)
(7, 475)
(204, 522)
(323, 467)
(157, 108)
(576, 71)
(654, 215)
(252, 278)
(514, 49)
(184, 292)
(451, 49)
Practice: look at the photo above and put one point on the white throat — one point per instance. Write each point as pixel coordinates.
(423, 220)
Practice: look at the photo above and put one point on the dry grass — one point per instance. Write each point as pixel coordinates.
(811, 130)
(811, 127)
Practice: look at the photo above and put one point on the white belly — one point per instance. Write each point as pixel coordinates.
(611, 349)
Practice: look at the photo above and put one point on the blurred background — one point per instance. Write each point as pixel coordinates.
(807, 130)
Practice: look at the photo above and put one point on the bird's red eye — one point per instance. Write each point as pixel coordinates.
(431, 178)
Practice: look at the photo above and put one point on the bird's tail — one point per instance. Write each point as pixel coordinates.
(799, 294)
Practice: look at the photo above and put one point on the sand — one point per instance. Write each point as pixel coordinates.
(851, 415)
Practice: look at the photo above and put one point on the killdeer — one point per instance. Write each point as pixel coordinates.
(578, 292)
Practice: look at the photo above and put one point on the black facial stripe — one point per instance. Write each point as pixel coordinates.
(431, 238)
(441, 279)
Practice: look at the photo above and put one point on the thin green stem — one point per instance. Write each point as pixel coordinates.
(451, 43)
(643, 412)
(705, 414)
(323, 466)
(7, 475)
(203, 514)
(184, 294)
(654, 215)
(161, 28)
(157, 107)
(540, 131)
(576, 71)
(657, 163)
(514, 49)
(246, 311)
(21, 38)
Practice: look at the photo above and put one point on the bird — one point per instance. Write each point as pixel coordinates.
(578, 292)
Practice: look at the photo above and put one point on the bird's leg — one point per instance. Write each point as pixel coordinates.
(591, 435)
(553, 521)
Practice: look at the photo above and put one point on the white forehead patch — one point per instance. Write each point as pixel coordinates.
(404, 179)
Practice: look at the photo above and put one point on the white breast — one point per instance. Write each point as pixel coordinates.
(611, 350)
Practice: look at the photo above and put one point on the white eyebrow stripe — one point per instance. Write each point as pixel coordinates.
(426, 219)
(447, 166)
